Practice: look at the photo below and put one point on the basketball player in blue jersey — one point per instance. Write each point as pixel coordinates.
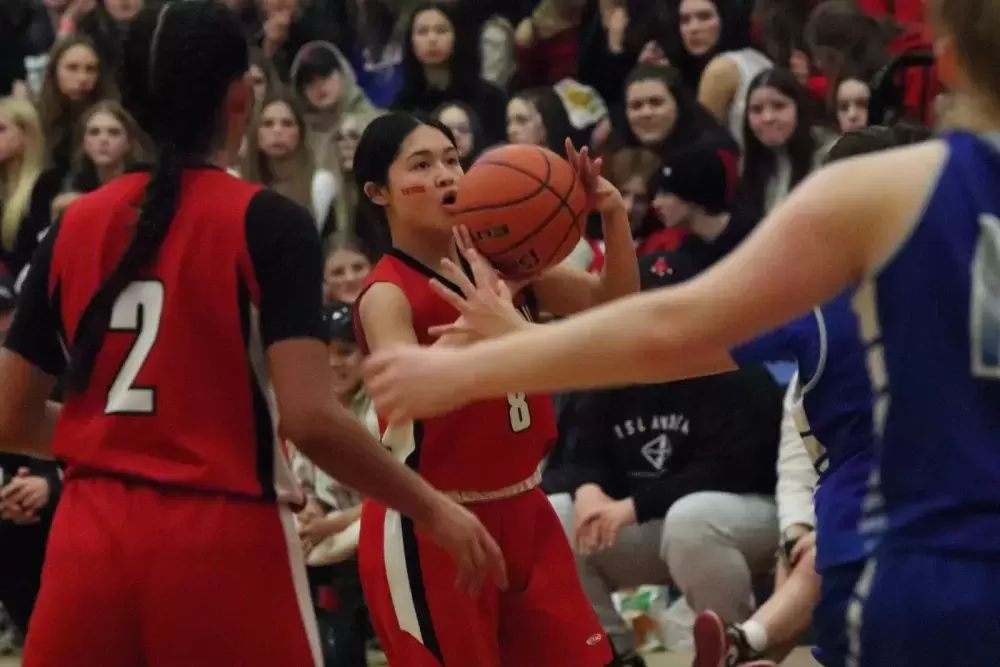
(832, 401)
(917, 231)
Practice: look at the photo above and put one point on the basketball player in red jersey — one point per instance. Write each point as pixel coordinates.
(486, 454)
(179, 297)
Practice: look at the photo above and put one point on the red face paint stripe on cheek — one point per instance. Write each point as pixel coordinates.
(415, 190)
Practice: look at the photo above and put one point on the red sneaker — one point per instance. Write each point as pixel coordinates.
(711, 644)
(714, 646)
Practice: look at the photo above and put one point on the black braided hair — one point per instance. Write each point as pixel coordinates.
(179, 61)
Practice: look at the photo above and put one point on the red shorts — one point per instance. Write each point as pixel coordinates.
(423, 620)
(136, 576)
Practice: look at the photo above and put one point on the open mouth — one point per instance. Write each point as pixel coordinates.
(450, 197)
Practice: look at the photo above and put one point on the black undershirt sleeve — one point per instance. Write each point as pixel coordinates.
(35, 332)
(287, 258)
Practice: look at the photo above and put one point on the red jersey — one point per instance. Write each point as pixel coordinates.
(484, 446)
(180, 394)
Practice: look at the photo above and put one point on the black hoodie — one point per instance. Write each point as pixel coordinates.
(659, 443)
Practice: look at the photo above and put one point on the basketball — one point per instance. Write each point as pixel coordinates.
(524, 207)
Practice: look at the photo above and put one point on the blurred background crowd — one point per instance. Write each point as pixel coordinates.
(707, 113)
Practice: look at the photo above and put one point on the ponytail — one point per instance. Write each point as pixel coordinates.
(157, 212)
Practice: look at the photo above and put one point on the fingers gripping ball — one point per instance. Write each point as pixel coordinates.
(525, 208)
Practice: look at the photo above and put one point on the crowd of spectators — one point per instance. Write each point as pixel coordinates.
(707, 113)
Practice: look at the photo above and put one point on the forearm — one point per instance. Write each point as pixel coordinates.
(37, 442)
(346, 450)
(621, 267)
(463, 339)
(594, 349)
(786, 614)
(451, 340)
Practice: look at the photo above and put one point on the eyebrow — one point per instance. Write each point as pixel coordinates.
(429, 153)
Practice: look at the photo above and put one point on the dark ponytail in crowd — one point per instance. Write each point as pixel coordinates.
(378, 148)
(178, 62)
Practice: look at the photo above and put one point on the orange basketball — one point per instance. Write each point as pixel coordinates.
(525, 208)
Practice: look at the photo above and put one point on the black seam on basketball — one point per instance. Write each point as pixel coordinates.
(489, 207)
(563, 201)
(569, 232)
(545, 221)
(569, 229)
(545, 183)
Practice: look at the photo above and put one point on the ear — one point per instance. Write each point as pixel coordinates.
(947, 61)
(378, 195)
(239, 100)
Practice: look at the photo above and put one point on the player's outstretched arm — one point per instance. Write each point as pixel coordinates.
(334, 440)
(288, 265)
(834, 228)
(828, 234)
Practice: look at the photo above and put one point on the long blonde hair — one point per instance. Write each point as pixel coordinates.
(16, 185)
(256, 167)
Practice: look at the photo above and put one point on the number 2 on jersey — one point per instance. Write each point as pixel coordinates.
(985, 306)
(138, 309)
(520, 413)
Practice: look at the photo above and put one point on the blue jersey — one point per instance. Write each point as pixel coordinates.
(931, 321)
(833, 399)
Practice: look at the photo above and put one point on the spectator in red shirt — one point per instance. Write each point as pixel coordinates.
(841, 34)
(691, 194)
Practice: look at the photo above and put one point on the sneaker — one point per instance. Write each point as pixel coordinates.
(718, 646)
(711, 644)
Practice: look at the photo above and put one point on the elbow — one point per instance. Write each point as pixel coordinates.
(669, 351)
(304, 425)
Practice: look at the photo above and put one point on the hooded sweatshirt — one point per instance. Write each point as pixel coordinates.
(660, 442)
(323, 124)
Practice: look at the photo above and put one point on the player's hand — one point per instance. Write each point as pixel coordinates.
(411, 382)
(608, 200)
(587, 170)
(487, 309)
(802, 546)
(477, 555)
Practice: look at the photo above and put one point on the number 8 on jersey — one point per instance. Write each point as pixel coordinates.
(520, 413)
